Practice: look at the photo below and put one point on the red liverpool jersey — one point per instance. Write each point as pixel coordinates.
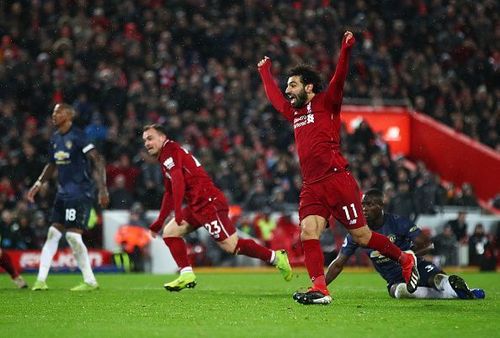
(185, 180)
(317, 124)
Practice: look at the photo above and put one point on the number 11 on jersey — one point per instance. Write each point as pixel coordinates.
(347, 214)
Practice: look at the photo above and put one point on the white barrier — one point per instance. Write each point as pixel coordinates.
(161, 259)
(163, 263)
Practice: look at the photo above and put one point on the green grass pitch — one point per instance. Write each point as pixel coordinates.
(240, 305)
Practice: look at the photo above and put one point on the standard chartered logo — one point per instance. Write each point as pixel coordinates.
(303, 120)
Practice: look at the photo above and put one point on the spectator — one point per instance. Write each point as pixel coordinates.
(286, 235)
(477, 244)
(125, 72)
(466, 197)
(264, 226)
(428, 194)
(137, 216)
(459, 226)
(445, 247)
(120, 197)
(150, 185)
(402, 203)
(258, 198)
(39, 228)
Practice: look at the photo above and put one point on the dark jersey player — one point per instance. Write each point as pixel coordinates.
(185, 180)
(328, 186)
(71, 155)
(433, 283)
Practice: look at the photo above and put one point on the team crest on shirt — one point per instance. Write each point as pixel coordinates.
(69, 144)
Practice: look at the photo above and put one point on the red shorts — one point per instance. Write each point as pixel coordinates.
(214, 217)
(337, 195)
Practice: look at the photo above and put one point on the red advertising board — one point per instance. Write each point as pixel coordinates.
(63, 260)
(392, 123)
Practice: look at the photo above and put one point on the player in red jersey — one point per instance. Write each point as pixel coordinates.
(7, 265)
(185, 180)
(328, 186)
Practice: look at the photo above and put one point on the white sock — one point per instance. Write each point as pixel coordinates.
(273, 257)
(82, 256)
(186, 270)
(422, 292)
(447, 289)
(402, 292)
(443, 279)
(48, 251)
(430, 293)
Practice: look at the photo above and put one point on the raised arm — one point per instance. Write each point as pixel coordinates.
(336, 267)
(47, 172)
(99, 174)
(272, 90)
(335, 90)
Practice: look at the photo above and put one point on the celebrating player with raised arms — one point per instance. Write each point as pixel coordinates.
(185, 180)
(328, 186)
(434, 283)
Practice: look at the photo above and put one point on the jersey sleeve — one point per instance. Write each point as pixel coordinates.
(167, 204)
(83, 142)
(174, 164)
(335, 90)
(274, 94)
(412, 230)
(349, 246)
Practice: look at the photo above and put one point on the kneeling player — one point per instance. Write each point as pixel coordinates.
(433, 283)
(185, 180)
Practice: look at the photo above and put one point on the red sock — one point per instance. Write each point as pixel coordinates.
(248, 247)
(6, 263)
(178, 250)
(314, 260)
(384, 246)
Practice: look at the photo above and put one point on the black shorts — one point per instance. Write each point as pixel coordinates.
(427, 271)
(72, 213)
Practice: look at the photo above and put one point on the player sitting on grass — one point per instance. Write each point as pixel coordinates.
(434, 283)
(185, 180)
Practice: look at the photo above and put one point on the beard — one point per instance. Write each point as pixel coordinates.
(300, 100)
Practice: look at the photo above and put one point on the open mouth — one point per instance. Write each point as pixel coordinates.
(292, 98)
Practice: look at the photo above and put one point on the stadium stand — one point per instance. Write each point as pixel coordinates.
(191, 65)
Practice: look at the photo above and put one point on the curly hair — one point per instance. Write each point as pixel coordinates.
(308, 76)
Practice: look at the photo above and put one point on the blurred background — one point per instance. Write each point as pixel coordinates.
(421, 116)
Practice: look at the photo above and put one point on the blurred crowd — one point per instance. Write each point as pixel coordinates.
(192, 66)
